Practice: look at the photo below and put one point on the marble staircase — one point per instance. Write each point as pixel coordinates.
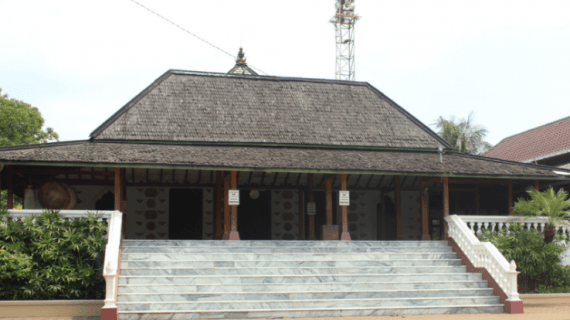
(265, 279)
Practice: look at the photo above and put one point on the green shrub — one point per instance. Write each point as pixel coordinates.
(51, 258)
(538, 261)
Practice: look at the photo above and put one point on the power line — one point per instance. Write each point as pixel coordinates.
(194, 35)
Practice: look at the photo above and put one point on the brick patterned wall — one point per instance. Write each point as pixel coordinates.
(411, 215)
(361, 214)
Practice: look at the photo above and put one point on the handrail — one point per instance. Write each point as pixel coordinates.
(484, 255)
(479, 223)
(111, 262)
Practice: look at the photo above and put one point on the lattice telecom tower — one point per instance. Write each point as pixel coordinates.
(344, 21)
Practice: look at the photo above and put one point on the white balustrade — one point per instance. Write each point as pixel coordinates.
(496, 223)
(484, 254)
(114, 221)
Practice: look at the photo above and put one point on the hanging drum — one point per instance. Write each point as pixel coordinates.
(72, 196)
(53, 195)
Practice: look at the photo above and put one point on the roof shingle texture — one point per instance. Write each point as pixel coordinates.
(251, 109)
(267, 158)
(535, 143)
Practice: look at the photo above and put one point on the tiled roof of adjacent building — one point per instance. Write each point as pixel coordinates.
(535, 144)
(213, 108)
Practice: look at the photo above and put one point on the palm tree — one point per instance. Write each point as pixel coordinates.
(463, 134)
(548, 203)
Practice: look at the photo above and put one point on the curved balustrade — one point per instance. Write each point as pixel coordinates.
(484, 255)
(114, 221)
(495, 223)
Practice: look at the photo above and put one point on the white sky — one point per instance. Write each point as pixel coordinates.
(80, 61)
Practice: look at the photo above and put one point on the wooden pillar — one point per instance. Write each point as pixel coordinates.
(510, 196)
(446, 205)
(218, 204)
(311, 199)
(425, 220)
(301, 215)
(398, 208)
(10, 187)
(118, 190)
(383, 218)
(329, 204)
(226, 235)
(234, 235)
(345, 235)
(537, 185)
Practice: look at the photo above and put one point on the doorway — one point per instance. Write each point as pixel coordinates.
(321, 214)
(254, 215)
(185, 214)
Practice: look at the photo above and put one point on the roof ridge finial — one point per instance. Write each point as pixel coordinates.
(241, 57)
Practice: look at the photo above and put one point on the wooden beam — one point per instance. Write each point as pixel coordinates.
(10, 187)
(345, 235)
(445, 205)
(118, 188)
(477, 202)
(398, 200)
(311, 199)
(537, 185)
(425, 219)
(226, 235)
(329, 204)
(510, 197)
(58, 172)
(234, 235)
(468, 181)
(218, 204)
(383, 218)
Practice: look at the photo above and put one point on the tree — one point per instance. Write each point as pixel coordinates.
(547, 203)
(20, 123)
(463, 134)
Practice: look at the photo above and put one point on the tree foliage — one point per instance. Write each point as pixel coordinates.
(51, 258)
(20, 123)
(547, 203)
(463, 134)
(538, 261)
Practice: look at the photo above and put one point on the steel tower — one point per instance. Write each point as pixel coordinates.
(344, 21)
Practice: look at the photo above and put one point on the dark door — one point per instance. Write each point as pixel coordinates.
(185, 214)
(254, 216)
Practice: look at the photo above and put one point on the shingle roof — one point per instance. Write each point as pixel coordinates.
(221, 108)
(536, 143)
(270, 159)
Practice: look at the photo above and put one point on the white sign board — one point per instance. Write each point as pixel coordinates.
(233, 198)
(344, 198)
(311, 208)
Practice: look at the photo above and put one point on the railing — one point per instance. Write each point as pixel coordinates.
(484, 255)
(496, 223)
(114, 220)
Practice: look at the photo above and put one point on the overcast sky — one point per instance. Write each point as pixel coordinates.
(80, 61)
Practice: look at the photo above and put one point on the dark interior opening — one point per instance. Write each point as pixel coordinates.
(107, 202)
(185, 214)
(321, 214)
(389, 219)
(254, 215)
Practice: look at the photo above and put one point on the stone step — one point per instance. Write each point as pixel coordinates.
(291, 271)
(300, 287)
(278, 243)
(280, 250)
(304, 304)
(294, 296)
(313, 313)
(266, 279)
(288, 257)
(126, 264)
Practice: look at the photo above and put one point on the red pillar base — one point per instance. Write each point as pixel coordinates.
(345, 236)
(226, 236)
(234, 235)
(329, 232)
(513, 307)
(426, 237)
(109, 314)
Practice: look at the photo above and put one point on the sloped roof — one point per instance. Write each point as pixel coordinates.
(216, 108)
(535, 144)
(146, 155)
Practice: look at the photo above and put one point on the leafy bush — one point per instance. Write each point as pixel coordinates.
(538, 261)
(51, 258)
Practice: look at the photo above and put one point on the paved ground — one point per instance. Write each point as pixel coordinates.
(536, 307)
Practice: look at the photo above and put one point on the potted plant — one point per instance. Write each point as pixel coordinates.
(547, 203)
